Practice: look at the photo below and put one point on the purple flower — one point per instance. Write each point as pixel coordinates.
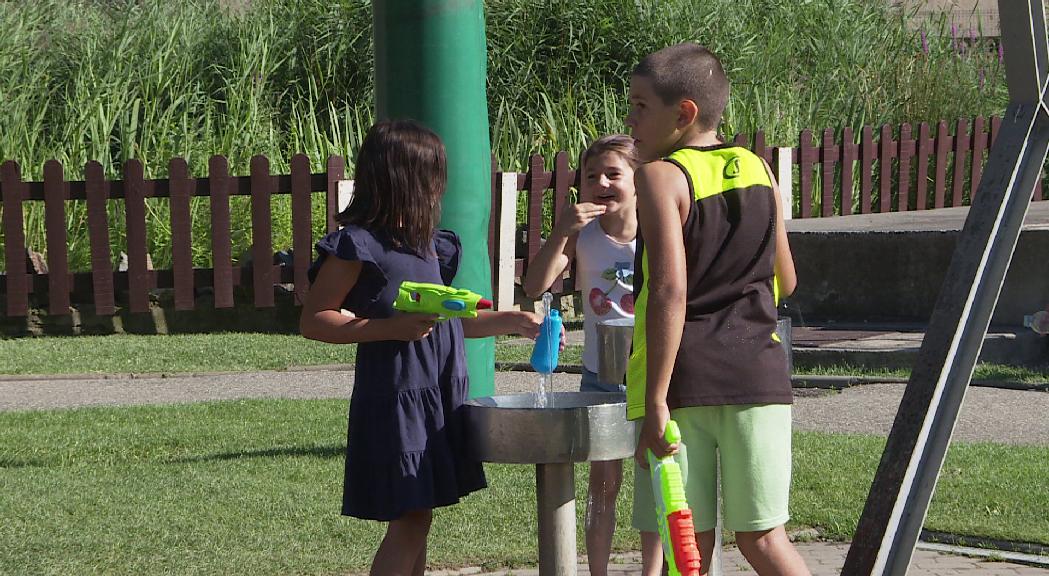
(954, 37)
(925, 42)
(981, 78)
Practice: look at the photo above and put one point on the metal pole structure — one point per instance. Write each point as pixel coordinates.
(555, 501)
(431, 65)
(899, 498)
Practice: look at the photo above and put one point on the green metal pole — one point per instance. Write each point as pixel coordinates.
(431, 65)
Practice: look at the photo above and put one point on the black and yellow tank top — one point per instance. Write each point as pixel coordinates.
(727, 353)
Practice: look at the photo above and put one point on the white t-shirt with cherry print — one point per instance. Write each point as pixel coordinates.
(605, 271)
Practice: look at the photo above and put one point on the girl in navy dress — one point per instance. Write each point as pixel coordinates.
(406, 450)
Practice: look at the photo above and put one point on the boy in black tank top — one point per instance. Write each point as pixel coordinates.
(710, 243)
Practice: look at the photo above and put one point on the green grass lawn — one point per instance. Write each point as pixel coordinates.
(123, 353)
(253, 487)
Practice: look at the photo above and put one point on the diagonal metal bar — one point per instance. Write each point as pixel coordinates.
(899, 498)
(906, 478)
(1024, 45)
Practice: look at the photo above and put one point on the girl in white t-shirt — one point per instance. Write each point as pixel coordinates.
(599, 232)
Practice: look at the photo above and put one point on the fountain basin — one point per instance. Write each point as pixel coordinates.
(572, 427)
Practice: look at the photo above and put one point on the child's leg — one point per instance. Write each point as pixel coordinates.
(403, 549)
(420, 563)
(605, 479)
(644, 519)
(755, 467)
(771, 553)
(651, 554)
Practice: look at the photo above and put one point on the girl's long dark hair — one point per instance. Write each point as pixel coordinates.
(399, 179)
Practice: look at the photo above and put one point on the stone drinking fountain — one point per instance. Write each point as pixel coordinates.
(570, 427)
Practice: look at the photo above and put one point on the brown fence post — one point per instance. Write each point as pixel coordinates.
(97, 190)
(806, 157)
(961, 152)
(828, 156)
(979, 138)
(760, 148)
(181, 233)
(301, 224)
(14, 193)
(888, 151)
(221, 244)
(535, 206)
(138, 278)
(943, 143)
(906, 152)
(563, 177)
(867, 154)
(57, 247)
(261, 231)
(921, 180)
(848, 158)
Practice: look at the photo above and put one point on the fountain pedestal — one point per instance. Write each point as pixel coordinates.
(572, 427)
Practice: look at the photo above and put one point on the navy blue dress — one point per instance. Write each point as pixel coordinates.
(406, 446)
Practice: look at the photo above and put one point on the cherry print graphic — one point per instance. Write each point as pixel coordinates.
(627, 303)
(599, 302)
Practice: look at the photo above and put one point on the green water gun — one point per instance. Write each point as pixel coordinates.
(444, 301)
(676, 530)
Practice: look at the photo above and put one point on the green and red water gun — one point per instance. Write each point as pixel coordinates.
(444, 301)
(676, 530)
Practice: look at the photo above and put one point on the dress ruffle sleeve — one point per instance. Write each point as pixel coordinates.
(353, 244)
(449, 251)
(346, 244)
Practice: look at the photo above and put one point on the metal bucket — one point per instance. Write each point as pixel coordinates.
(614, 338)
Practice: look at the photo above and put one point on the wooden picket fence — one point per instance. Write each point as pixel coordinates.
(103, 282)
(902, 170)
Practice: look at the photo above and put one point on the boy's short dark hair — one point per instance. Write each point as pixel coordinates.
(688, 71)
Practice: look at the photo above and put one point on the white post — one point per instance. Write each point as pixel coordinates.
(506, 232)
(784, 177)
(345, 194)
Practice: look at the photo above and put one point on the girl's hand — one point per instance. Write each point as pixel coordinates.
(529, 327)
(526, 324)
(407, 326)
(575, 216)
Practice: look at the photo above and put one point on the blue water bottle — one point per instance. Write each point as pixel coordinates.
(547, 344)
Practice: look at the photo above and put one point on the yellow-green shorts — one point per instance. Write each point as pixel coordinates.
(754, 442)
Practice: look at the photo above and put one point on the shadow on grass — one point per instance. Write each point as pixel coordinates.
(332, 451)
(6, 462)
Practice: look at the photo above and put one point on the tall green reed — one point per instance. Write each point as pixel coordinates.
(110, 80)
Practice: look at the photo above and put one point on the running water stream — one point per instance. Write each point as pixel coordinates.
(545, 378)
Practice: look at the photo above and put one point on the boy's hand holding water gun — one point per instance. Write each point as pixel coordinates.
(676, 529)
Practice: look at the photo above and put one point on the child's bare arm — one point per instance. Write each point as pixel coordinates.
(784, 263)
(494, 323)
(321, 318)
(663, 203)
(559, 248)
